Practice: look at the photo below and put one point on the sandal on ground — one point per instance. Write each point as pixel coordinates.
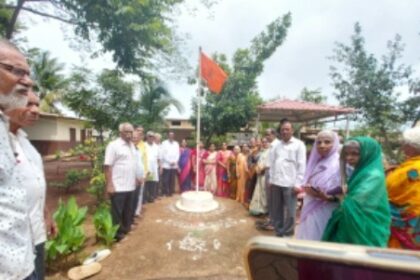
(97, 256)
(84, 271)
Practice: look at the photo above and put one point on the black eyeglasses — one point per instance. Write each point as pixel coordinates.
(18, 72)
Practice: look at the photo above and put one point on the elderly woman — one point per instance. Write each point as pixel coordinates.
(321, 185)
(363, 216)
(403, 185)
(258, 204)
(210, 160)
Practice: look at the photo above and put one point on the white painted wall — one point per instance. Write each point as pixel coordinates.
(54, 129)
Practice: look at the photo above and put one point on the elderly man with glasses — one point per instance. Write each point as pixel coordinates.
(16, 253)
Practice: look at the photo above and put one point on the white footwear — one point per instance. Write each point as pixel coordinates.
(97, 256)
(84, 271)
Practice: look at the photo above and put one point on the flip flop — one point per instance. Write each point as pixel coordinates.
(97, 256)
(84, 271)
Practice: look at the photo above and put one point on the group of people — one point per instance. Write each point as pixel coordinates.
(350, 194)
(138, 170)
(24, 219)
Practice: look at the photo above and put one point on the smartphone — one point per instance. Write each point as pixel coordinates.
(272, 258)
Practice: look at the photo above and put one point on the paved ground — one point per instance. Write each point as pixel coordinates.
(171, 244)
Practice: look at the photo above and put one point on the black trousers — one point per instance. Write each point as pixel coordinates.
(156, 189)
(122, 212)
(39, 261)
(32, 276)
(149, 191)
(160, 186)
(168, 180)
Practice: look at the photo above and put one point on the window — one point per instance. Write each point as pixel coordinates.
(176, 123)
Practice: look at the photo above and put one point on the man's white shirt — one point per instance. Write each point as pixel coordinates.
(124, 159)
(16, 248)
(30, 163)
(170, 154)
(153, 157)
(288, 163)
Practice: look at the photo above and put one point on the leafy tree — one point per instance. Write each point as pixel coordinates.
(314, 96)
(370, 85)
(133, 31)
(154, 104)
(236, 105)
(50, 83)
(5, 16)
(106, 100)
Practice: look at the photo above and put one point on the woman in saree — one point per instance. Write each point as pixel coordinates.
(232, 176)
(223, 155)
(201, 172)
(210, 160)
(258, 205)
(321, 183)
(252, 160)
(242, 173)
(185, 166)
(403, 184)
(363, 217)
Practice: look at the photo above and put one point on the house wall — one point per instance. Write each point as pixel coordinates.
(50, 134)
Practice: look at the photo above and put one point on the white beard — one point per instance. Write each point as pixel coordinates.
(14, 99)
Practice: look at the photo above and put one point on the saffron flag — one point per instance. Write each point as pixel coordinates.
(212, 73)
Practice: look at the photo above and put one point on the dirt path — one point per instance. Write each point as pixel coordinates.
(171, 244)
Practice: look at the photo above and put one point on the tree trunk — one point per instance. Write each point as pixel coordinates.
(387, 147)
(101, 136)
(11, 25)
(208, 139)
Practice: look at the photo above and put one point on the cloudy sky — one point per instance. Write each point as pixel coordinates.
(300, 62)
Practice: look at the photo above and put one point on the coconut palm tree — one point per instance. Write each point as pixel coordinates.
(50, 83)
(154, 104)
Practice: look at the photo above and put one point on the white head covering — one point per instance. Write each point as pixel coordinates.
(412, 137)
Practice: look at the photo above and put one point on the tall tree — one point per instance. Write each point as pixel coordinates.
(236, 106)
(105, 100)
(135, 32)
(314, 96)
(50, 83)
(371, 85)
(155, 103)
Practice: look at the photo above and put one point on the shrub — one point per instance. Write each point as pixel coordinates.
(73, 177)
(71, 237)
(97, 187)
(105, 229)
(57, 155)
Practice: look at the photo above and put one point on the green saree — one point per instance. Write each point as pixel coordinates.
(363, 217)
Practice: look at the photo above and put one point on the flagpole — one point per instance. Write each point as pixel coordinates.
(198, 121)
